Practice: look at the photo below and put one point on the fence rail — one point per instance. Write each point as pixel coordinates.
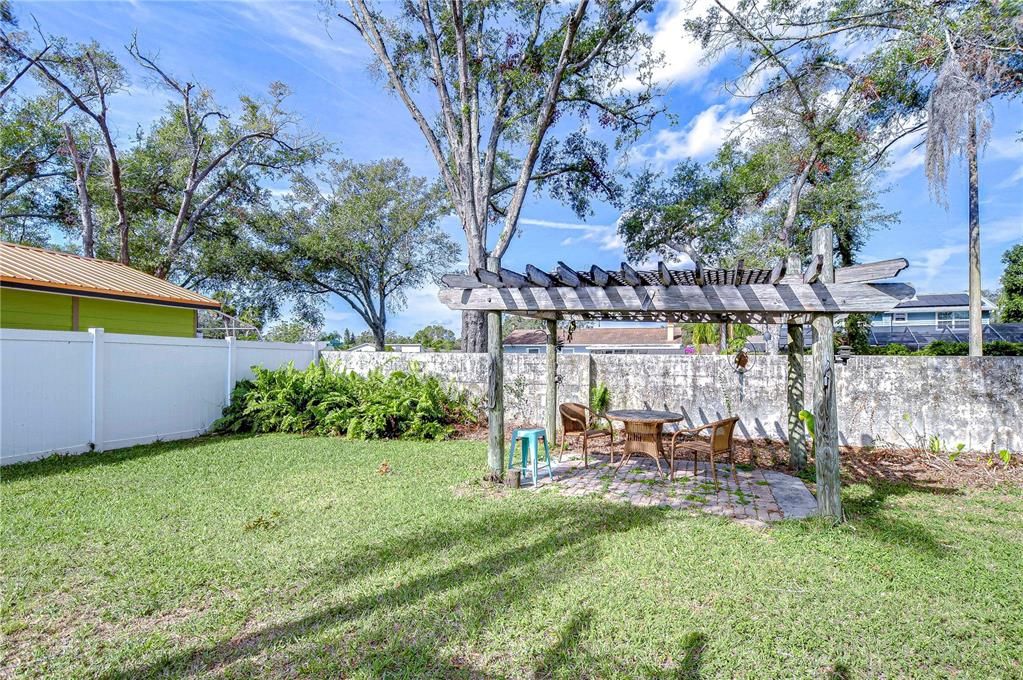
(71, 392)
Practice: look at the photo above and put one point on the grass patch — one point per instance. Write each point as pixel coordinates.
(282, 555)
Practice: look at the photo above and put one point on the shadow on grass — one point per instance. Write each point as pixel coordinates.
(64, 464)
(445, 581)
(873, 514)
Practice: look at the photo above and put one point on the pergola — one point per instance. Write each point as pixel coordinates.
(785, 294)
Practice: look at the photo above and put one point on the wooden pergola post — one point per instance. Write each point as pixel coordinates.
(795, 380)
(552, 382)
(825, 403)
(495, 388)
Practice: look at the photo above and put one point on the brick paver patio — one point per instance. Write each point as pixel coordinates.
(755, 498)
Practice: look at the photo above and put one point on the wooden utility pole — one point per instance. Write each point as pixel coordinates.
(552, 382)
(495, 389)
(825, 404)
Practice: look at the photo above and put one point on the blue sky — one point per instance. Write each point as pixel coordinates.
(236, 46)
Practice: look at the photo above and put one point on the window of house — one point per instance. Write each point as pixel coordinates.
(533, 350)
(899, 316)
(954, 319)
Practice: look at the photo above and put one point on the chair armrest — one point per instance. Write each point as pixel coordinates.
(689, 431)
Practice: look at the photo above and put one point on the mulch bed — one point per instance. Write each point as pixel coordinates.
(911, 466)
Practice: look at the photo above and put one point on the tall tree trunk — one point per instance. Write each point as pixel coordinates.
(84, 203)
(117, 189)
(474, 324)
(976, 328)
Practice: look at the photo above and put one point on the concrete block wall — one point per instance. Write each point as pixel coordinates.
(900, 401)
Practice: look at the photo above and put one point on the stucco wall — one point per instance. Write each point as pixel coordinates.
(897, 400)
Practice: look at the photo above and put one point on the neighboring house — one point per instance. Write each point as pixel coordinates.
(626, 340)
(49, 290)
(936, 311)
(404, 348)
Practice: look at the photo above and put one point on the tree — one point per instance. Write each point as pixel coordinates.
(1010, 302)
(972, 72)
(933, 67)
(502, 74)
(688, 213)
(436, 337)
(292, 330)
(201, 160)
(364, 232)
(84, 76)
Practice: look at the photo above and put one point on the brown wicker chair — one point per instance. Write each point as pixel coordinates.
(578, 419)
(720, 443)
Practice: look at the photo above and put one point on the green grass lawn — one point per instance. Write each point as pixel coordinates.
(281, 555)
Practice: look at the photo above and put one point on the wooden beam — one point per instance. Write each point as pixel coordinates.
(831, 298)
(492, 279)
(630, 275)
(698, 275)
(778, 271)
(813, 270)
(871, 271)
(567, 275)
(737, 272)
(825, 403)
(512, 279)
(664, 274)
(461, 281)
(552, 383)
(599, 276)
(538, 277)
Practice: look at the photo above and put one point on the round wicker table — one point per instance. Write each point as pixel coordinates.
(643, 429)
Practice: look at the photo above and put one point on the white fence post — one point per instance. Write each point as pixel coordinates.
(229, 378)
(97, 388)
(315, 346)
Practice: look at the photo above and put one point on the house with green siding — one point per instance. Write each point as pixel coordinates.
(50, 290)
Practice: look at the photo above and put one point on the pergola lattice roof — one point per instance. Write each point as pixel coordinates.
(666, 294)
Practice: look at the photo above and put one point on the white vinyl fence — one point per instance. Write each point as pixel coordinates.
(71, 392)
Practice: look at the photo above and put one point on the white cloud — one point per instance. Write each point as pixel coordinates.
(937, 268)
(932, 260)
(701, 137)
(905, 156)
(681, 55)
(605, 236)
(1011, 180)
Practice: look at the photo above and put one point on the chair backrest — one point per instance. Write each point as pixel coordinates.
(573, 417)
(721, 434)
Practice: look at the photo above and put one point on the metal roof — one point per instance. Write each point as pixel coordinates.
(939, 300)
(52, 271)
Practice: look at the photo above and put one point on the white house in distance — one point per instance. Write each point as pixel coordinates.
(936, 310)
(625, 340)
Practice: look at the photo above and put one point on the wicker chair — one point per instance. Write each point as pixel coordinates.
(720, 443)
(577, 419)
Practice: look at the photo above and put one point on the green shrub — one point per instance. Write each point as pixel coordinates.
(890, 350)
(1002, 348)
(948, 348)
(600, 398)
(400, 405)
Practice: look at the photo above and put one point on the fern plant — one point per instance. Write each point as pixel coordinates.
(317, 400)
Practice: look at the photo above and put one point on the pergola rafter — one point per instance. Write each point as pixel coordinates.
(783, 294)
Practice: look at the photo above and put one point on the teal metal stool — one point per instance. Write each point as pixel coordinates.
(530, 449)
